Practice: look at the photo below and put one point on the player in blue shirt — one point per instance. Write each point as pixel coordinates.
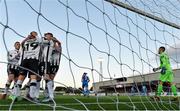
(85, 80)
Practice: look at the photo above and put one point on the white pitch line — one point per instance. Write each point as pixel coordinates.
(83, 103)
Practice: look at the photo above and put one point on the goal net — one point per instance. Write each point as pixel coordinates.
(115, 42)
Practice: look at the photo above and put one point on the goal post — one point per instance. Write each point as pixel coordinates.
(141, 12)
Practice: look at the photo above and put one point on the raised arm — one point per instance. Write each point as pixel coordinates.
(55, 40)
(29, 36)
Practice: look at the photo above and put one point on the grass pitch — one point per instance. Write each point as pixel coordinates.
(95, 103)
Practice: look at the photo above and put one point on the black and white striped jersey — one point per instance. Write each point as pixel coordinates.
(47, 49)
(56, 56)
(31, 49)
(13, 58)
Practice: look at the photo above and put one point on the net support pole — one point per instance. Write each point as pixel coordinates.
(143, 13)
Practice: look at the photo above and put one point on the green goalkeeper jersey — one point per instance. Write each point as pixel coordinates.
(164, 61)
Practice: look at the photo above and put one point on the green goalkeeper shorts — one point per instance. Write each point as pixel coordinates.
(167, 77)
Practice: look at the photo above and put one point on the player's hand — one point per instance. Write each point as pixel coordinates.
(163, 70)
(155, 69)
(29, 37)
(17, 56)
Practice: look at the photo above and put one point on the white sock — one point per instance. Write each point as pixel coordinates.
(17, 87)
(32, 90)
(46, 94)
(50, 89)
(27, 89)
(7, 87)
(37, 89)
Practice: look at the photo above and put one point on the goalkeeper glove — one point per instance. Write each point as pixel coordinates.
(155, 69)
(163, 70)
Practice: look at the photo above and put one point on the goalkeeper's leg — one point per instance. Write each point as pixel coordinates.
(159, 91)
(174, 91)
(173, 88)
(160, 88)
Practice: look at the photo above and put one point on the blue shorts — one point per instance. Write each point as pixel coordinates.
(85, 84)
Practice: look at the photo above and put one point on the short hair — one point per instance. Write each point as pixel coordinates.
(163, 48)
(48, 33)
(85, 73)
(16, 42)
(32, 32)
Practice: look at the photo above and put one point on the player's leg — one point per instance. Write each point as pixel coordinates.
(19, 84)
(174, 90)
(21, 77)
(33, 84)
(41, 70)
(53, 70)
(160, 88)
(33, 66)
(159, 91)
(163, 78)
(8, 83)
(50, 82)
(11, 76)
(84, 88)
(173, 86)
(16, 90)
(42, 73)
(48, 89)
(87, 89)
(27, 86)
(52, 76)
(16, 75)
(38, 87)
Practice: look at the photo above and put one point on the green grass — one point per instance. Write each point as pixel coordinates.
(105, 102)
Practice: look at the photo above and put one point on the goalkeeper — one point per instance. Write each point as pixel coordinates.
(166, 74)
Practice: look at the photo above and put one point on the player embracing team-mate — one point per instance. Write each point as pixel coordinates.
(39, 58)
(50, 60)
(29, 64)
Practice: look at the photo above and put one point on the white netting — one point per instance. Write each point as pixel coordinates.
(103, 39)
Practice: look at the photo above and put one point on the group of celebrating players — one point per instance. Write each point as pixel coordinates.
(38, 58)
(35, 58)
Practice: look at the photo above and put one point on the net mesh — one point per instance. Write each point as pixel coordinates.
(126, 43)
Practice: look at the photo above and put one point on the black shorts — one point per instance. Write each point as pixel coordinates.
(44, 68)
(31, 65)
(54, 69)
(13, 70)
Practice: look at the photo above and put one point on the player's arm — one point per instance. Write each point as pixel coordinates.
(88, 79)
(163, 63)
(156, 69)
(10, 55)
(58, 47)
(55, 40)
(82, 79)
(22, 43)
